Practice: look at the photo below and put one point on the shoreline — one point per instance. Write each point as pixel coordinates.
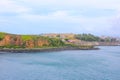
(26, 50)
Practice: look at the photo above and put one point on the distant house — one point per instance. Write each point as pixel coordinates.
(74, 41)
(61, 35)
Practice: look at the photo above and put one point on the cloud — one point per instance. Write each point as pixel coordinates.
(10, 6)
(109, 4)
(57, 15)
(94, 16)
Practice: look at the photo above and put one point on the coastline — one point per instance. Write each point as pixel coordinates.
(27, 50)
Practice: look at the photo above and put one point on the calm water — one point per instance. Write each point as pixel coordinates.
(101, 64)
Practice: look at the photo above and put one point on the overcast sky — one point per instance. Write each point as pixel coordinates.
(99, 17)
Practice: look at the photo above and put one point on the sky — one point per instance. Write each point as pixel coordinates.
(98, 17)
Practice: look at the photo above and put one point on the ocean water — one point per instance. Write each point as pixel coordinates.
(103, 64)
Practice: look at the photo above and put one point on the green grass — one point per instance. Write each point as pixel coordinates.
(52, 42)
(26, 37)
(2, 35)
(32, 37)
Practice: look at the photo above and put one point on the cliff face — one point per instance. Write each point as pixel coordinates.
(17, 41)
(42, 43)
(7, 40)
(36, 41)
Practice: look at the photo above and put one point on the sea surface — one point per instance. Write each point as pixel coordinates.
(103, 64)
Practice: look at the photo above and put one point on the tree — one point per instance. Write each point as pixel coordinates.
(87, 37)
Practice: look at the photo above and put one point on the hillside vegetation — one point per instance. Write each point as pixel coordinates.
(28, 41)
(87, 37)
(2, 35)
(53, 40)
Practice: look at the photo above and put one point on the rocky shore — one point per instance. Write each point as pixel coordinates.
(42, 49)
